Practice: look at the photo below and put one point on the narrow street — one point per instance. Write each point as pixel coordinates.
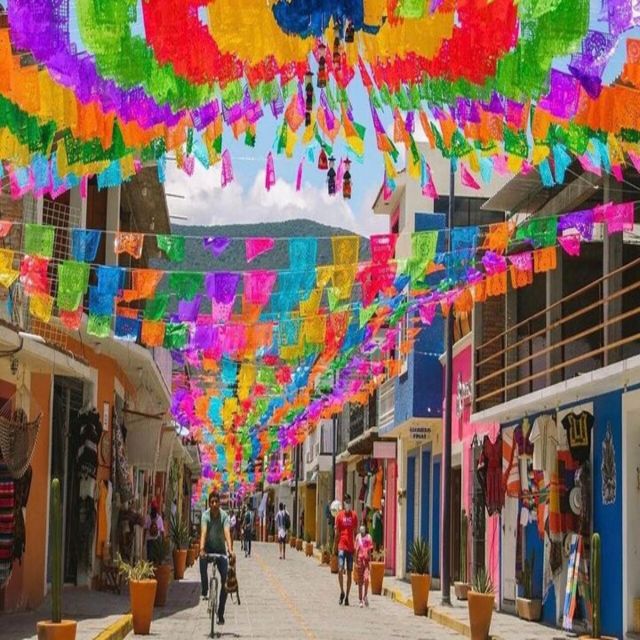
(294, 599)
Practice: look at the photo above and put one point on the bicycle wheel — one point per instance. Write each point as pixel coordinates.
(213, 594)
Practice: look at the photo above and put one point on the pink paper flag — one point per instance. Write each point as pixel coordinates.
(635, 159)
(427, 313)
(340, 176)
(270, 173)
(467, 179)
(5, 228)
(587, 165)
(500, 165)
(387, 191)
(258, 286)
(257, 246)
(227, 169)
(299, 176)
(429, 189)
(84, 187)
(616, 170)
(571, 244)
(189, 165)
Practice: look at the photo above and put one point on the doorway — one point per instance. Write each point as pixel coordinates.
(67, 403)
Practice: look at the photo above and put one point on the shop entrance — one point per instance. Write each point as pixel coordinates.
(456, 509)
(67, 402)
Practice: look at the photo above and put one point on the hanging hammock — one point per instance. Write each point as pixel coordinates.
(18, 434)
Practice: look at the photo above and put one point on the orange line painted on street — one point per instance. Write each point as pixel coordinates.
(285, 596)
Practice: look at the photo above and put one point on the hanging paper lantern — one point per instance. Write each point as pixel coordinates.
(331, 177)
(346, 180)
(308, 90)
(322, 66)
(323, 163)
(336, 52)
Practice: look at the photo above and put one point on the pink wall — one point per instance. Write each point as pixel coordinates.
(463, 432)
(390, 514)
(341, 472)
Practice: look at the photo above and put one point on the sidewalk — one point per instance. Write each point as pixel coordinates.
(503, 626)
(94, 610)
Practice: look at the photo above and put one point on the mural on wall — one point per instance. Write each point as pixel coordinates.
(608, 468)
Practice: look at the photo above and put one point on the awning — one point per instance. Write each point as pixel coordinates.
(143, 439)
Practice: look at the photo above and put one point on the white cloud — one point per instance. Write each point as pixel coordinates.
(206, 203)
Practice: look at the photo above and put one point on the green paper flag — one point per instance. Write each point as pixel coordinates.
(38, 240)
(176, 335)
(542, 232)
(424, 244)
(366, 313)
(156, 308)
(185, 284)
(99, 326)
(172, 246)
(73, 281)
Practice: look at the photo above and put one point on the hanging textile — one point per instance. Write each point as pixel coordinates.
(491, 461)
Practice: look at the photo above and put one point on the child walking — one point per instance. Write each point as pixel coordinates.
(364, 547)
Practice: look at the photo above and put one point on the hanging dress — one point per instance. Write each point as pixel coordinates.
(491, 460)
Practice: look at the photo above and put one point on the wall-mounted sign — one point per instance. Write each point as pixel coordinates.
(463, 396)
(383, 449)
(420, 433)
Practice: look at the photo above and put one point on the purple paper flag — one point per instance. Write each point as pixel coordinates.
(227, 169)
(216, 244)
(270, 173)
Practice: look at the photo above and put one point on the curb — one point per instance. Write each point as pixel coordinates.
(119, 630)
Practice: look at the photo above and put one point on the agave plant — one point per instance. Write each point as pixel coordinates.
(420, 557)
(141, 570)
(179, 531)
(378, 556)
(482, 582)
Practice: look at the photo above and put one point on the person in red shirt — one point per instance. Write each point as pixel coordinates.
(345, 534)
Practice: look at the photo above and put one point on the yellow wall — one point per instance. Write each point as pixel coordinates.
(310, 511)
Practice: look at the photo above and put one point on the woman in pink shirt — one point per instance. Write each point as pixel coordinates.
(364, 547)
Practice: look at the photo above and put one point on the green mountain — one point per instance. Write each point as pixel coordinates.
(198, 258)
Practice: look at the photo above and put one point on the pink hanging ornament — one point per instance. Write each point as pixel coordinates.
(299, 176)
(340, 175)
(227, 169)
(467, 179)
(270, 173)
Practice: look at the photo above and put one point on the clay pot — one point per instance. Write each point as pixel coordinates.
(142, 594)
(292, 542)
(376, 576)
(308, 549)
(326, 557)
(420, 585)
(179, 563)
(299, 542)
(529, 609)
(270, 538)
(163, 578)
(461, 590)
(190, 556)
(63, 630)
(480, 612)
(333, 563)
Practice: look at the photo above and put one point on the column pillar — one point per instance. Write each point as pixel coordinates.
(113, 223)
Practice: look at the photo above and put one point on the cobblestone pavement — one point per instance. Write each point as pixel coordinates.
(294, 599)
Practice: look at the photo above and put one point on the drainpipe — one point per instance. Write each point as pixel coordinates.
(446, 439)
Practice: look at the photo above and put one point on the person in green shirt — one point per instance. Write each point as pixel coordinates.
(215, 537)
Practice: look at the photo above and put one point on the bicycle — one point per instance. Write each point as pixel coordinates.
(212, 602)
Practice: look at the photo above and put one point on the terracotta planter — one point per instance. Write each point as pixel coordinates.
(529, 609)
(299, 542)
(179, 563)
(270, 538)
(308, 549)
(333, 563)
(420, 585)
(461, 590)
(376, 576)
(163, 578)
(326, 557)
(292, 542)
(190, 556)
(142, 594)
(480, 612)
(63, 630)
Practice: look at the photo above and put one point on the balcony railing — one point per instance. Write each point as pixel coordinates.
(590, 328)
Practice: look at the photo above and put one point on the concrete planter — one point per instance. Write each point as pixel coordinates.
(308, 549)
(63, 630)
(529, 609)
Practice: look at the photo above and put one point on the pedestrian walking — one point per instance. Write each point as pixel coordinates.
(364, 548)
(283, 524)
(153, 527)
(215, 537)
(247, 532)
(345, 534)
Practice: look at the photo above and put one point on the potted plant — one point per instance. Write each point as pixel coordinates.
(333, 560)
(462, 586)
(527, 607)
(159, 555)
(419, 565)
(376, 572)
(326, 554)
(191, 555)
(299, 542)
(142, 592)
(56, 628)
(481, 603)
(180, 539)
(594, 579)
(308, 546)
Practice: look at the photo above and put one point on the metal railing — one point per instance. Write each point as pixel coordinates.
(583, 331)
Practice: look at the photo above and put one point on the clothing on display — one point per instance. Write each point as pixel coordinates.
(22, 489)
(583, 486)
(544, 439)
(122, 480)
(491, 462)
(104, 516)
(377, 528)
(89, 429)
(578, 428)
(7, 522)
(376, 498)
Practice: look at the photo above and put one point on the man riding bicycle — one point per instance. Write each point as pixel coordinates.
(215, 538)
